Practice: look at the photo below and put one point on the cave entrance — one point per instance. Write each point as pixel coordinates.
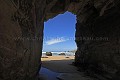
(59, 40)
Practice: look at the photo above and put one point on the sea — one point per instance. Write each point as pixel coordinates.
(57, 53)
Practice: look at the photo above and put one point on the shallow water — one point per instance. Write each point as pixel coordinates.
(48, 74)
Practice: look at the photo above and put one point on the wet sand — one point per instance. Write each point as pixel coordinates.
(60, 67)
(46, 74)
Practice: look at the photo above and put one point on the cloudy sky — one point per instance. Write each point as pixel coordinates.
(59, 33)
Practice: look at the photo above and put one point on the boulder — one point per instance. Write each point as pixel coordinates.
(48, 54)
(62, 54)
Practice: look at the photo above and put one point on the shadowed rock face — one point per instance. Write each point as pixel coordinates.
(21, 31)
(21, 34)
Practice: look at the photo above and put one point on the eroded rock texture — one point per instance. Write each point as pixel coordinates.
(21, 34)
(21, 30)
(98, 37)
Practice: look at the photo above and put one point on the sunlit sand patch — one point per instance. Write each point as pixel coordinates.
(57, 58)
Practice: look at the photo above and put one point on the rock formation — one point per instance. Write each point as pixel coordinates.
(48, 54)
(61, 54)
(21, 35)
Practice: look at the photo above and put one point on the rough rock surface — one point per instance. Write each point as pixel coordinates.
(21, 34)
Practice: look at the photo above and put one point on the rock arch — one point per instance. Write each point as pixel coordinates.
(21, 34)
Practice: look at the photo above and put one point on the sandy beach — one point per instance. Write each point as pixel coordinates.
(59, 64)
(50, 58)
(61, 67)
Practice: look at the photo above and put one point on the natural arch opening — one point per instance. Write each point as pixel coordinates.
(59, 45)
(59, 33)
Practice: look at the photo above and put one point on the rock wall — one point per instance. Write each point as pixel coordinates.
(21, 35)
(98, 37)
(21, 32)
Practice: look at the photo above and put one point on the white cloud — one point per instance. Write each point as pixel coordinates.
(55, 41)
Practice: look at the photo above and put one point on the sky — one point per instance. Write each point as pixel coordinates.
(59, 33)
